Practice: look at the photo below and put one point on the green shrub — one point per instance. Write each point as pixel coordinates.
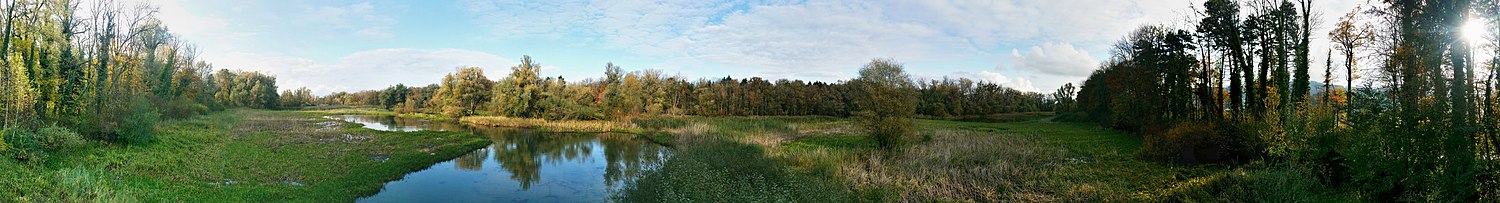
(183, 108)
(58, 138)
(720, 170)
(3, 144)
(1253, 184)
(25, 144)
(1188, 143)
(139, 126)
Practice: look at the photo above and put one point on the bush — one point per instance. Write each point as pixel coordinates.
(183, 108)
(25, 144)
(3, 145)
(1188, 143)
(139, 126)
(33, 146)
(58, 138)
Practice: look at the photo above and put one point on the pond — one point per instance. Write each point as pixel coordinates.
(519, 166)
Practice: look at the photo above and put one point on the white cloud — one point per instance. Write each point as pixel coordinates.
(370, 69)
(1056, 59)
(815, 38)
(362, 19)
(827, 38)
(997, 78)
(185, 22)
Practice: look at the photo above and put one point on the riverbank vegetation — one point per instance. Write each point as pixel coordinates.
(234, 156)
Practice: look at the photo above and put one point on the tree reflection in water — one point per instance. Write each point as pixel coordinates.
(474, 161)
(580, 167)
(523, 152)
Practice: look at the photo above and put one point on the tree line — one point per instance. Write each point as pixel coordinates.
(622, 95)
(104, 70)
(1422, 128)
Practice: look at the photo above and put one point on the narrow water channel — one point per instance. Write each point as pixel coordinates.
(519, 166)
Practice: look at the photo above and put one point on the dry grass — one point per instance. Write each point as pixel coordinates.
(552, 125)
(959, 165)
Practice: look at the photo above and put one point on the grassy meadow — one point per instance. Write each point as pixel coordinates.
(234, 156)
(1030, 160)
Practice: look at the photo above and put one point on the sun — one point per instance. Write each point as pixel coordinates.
(1474, 32)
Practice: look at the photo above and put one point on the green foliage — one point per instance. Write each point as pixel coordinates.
(4, 145)
(703, 173)
(517, 95)
(56, 138)
(463, 93)
(1150, 83)
(41, 144)
(1188, 142)
(246, 89)
(300, 97)
(79, 185)
(139, 125)
(886, 102)
(393, 95)
(24, 144)
(964, 97)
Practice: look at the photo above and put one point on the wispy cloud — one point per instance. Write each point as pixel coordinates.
(361, 19)
(364, 70)
(828, 37)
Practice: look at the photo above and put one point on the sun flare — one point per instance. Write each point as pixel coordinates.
(1474, 32)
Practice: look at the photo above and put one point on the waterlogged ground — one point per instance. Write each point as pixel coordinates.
(519, 166)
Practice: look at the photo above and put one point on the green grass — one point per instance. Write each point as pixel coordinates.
(236, 156)
(1030, 160)
(569, 126)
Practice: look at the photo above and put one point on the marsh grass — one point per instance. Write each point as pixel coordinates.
(958, 165)
(1036, 160)
(707, 168)
(572, 126)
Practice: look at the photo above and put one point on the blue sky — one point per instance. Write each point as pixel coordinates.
(340, 45)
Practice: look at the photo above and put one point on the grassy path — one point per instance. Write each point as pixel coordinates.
(236, 156)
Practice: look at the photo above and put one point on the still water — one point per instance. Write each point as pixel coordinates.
(519, 166)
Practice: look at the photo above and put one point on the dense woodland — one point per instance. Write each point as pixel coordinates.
(1234, 88)
(523, 93)
(105, 71)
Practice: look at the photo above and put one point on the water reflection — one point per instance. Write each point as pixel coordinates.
(392, 123)
(520, 165)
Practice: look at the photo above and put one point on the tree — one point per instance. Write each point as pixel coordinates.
(394, 95)
(1348, 38)
(885, 102)
(464, 92)
(1064, 97)
(517, 94)
(1221, 27)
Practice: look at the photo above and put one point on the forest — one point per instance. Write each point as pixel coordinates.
(524, 93)
(1224, 106)
(105, 71)
(1420, 125)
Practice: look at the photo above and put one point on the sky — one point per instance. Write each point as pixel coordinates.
(343, 45)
